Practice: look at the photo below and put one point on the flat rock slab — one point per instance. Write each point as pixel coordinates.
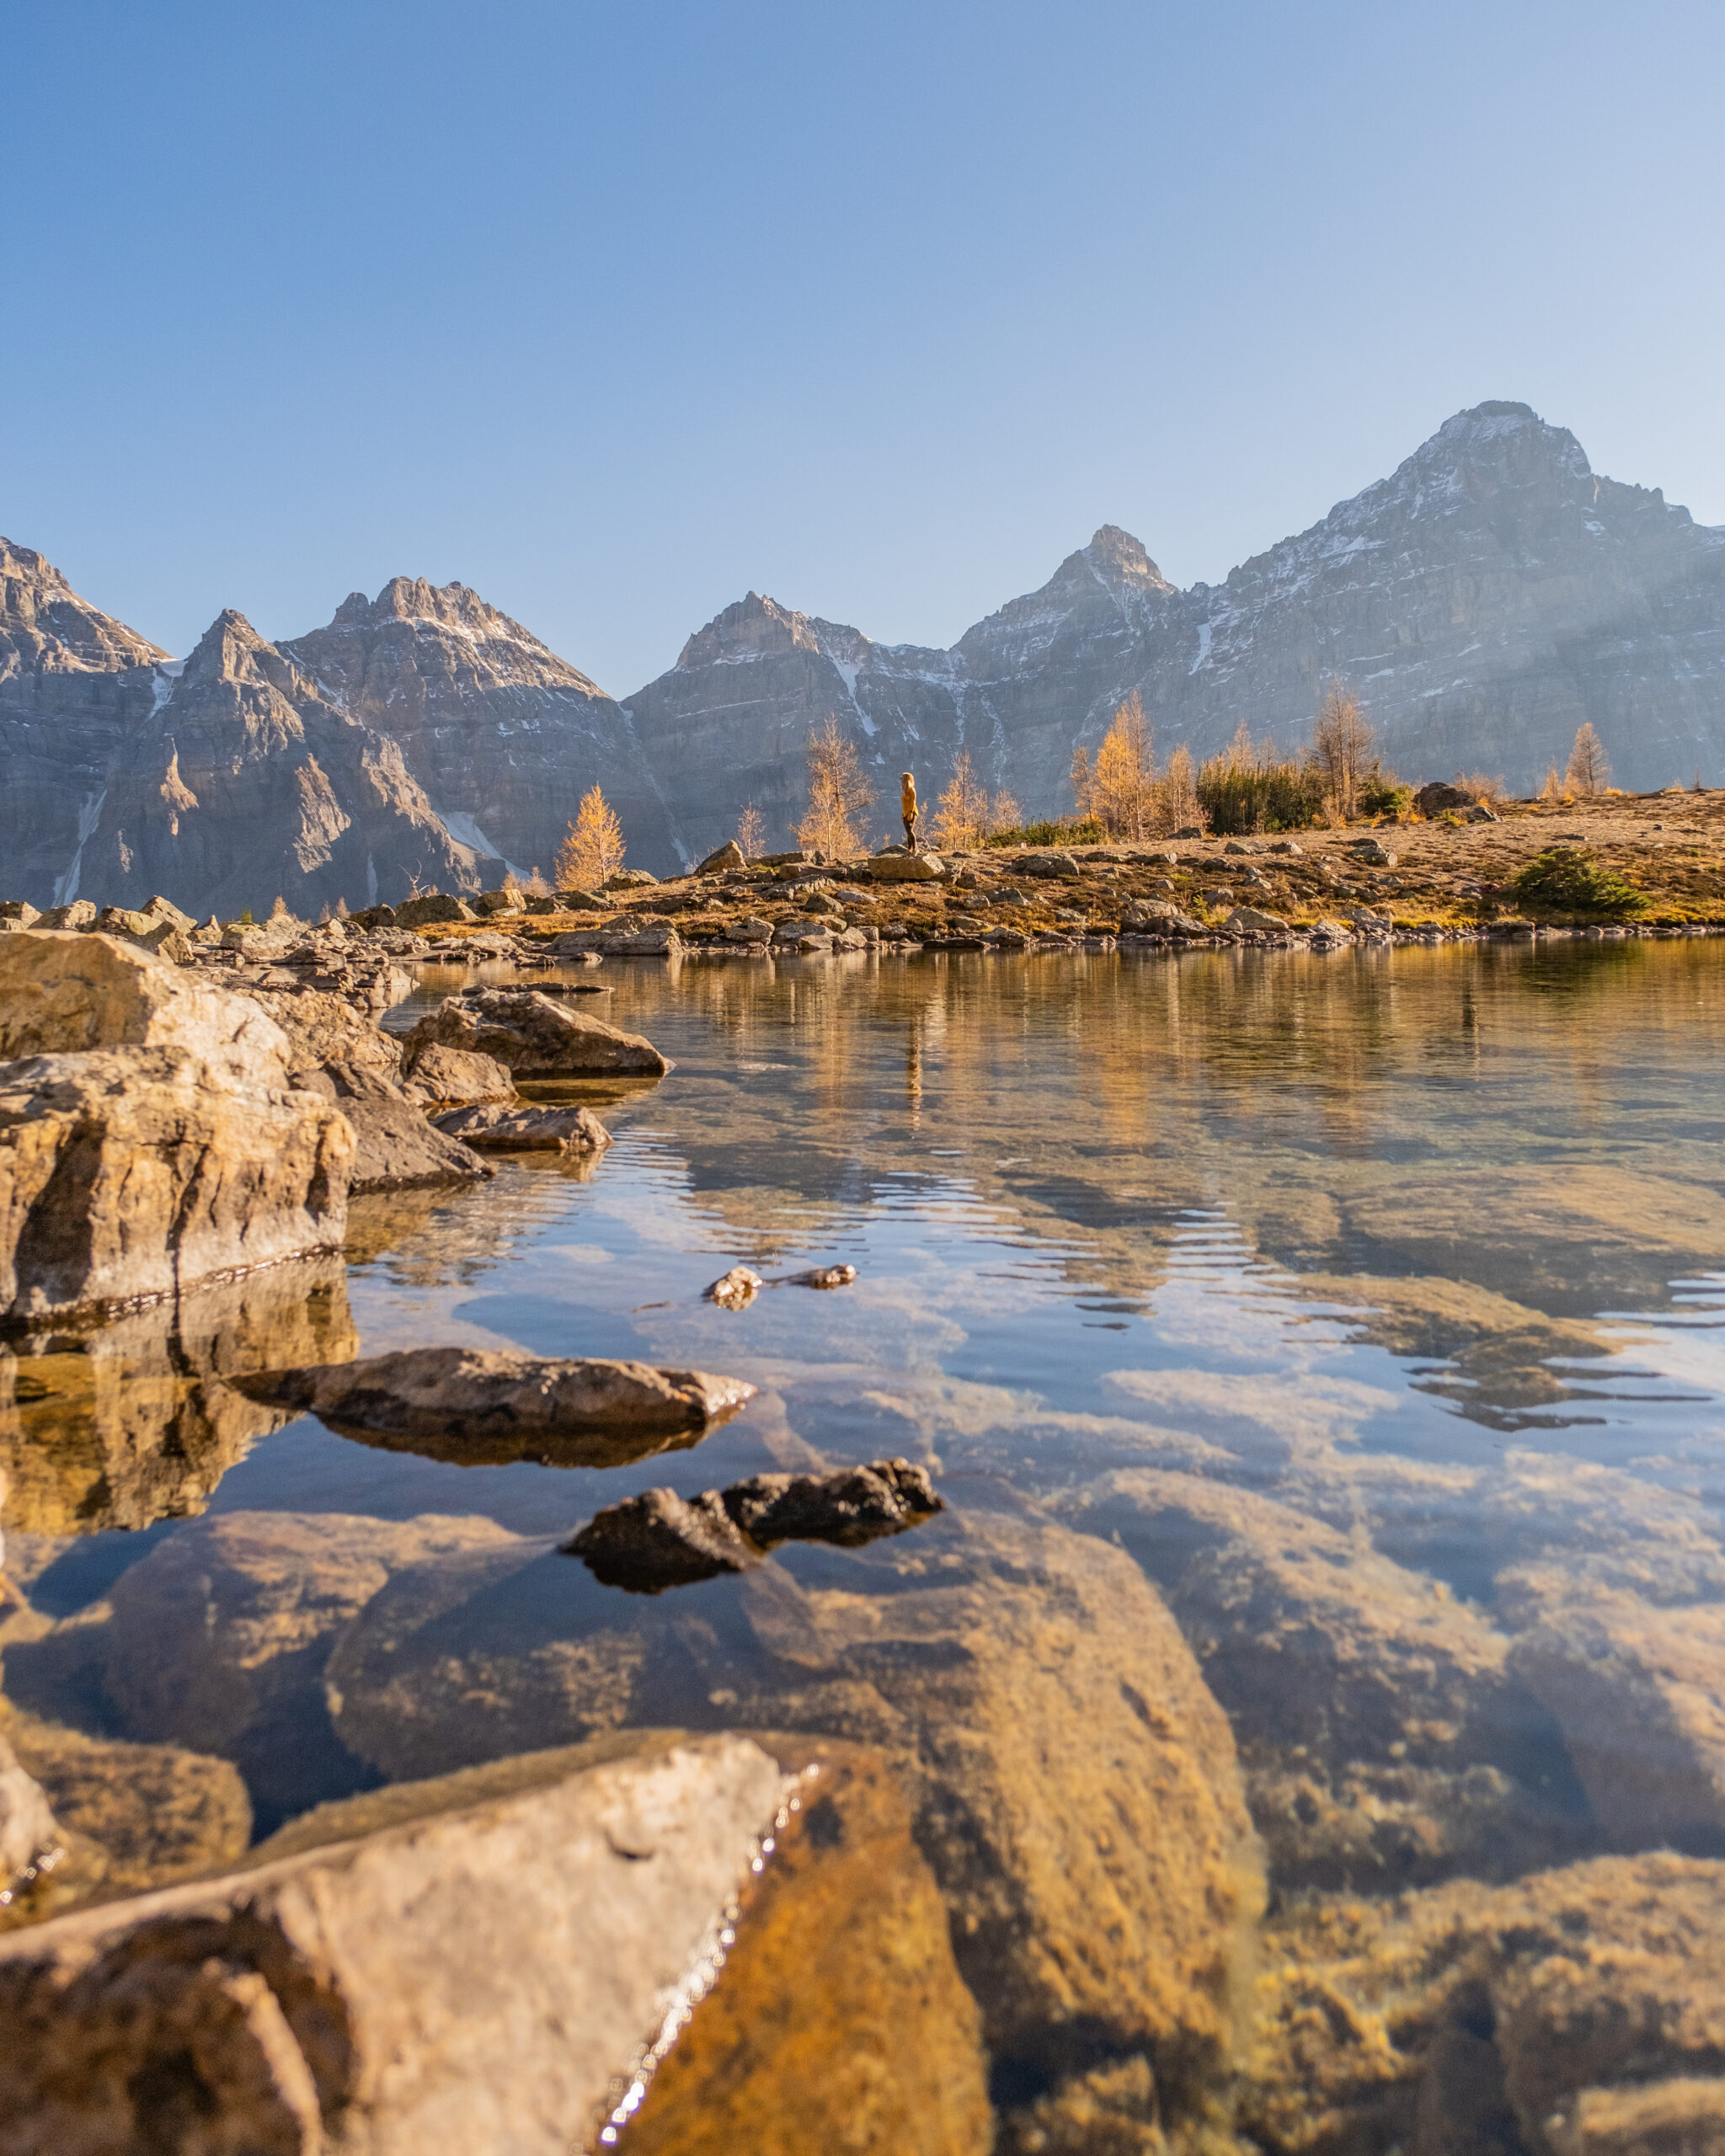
(498, 1404)
(533, 1036)
(523, 1128)
(906, 867)
(479, 1979)
(660, 1540)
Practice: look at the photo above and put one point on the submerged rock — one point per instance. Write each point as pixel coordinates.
(1073, 1783)
(430, 1987)
(501, 1398)
(1577, 2014)
(1385, 1739)
(659, 1540)
(842, 1953)
(1639, 1694)
(132, 1816)
(533, 1036)
(218, 1637)
(526, 1128)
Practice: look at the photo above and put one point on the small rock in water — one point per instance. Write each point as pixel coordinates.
(856, 1505)
(660, 1540)
(736, 1289)
(515, 1126)
(523, 1400)
(823, 1276)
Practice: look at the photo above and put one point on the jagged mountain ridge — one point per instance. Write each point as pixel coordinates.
(503, 734)
(1484, 599)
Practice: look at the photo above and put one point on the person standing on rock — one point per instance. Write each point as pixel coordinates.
(907, 807)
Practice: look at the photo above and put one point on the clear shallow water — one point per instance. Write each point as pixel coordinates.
(1290, 1221)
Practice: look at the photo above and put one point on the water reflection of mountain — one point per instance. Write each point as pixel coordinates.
(130, 1423)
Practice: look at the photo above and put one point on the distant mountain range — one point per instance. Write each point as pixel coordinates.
(1484, 601)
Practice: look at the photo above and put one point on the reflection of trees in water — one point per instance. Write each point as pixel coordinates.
(1398, 1111)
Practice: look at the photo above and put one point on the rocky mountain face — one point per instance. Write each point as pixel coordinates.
(1484, 601)
(69, 677)
(503, 736)
(222, 779)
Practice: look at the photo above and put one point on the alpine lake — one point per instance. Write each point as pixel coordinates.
(1319, 1357)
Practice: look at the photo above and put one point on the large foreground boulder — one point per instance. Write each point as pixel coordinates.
(125, 1175)
(60, 994)
(1073, 1783)
(481, 1979)
(533, 1036)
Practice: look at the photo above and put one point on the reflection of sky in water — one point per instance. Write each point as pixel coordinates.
(1230, 1215)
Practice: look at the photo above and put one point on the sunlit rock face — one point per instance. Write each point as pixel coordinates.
(503, 736)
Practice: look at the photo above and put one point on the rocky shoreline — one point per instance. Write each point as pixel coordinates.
(1169, 1813)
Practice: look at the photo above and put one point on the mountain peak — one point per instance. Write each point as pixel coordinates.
(753, 625)
(1117, 553)
(63, 633)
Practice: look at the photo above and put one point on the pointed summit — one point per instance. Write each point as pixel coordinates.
(1116, 553)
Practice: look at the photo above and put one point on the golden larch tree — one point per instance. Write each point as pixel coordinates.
(1122, 782)
(751, 833)
(961, 815)
(839, 792)
(594, 848)
(1341, 749)
(1590, 768)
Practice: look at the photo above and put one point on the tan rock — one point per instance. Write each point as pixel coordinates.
(533, 1036)
(1074, 1784)
(905, 867)
(452, 1077)
(322, 1030)
(526, 1128)
(62, 994)
(842, 1952)
(126, 1175)
(515, 1400)
(480, 1979)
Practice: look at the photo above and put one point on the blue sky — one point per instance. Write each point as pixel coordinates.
(616, 311)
